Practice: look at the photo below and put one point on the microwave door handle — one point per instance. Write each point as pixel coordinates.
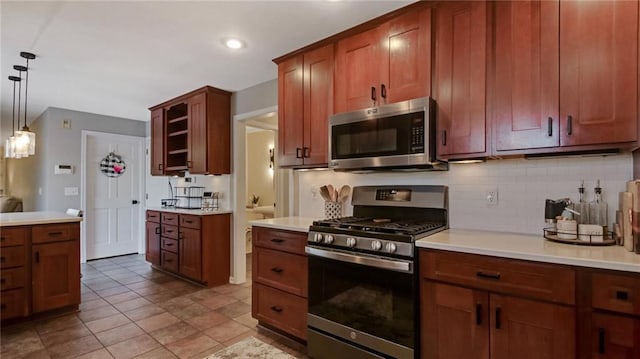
(398, 266)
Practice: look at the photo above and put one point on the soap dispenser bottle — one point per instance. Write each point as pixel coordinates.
(598, 208)
(582, 206)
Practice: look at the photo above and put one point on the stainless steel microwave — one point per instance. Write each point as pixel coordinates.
(398, 136)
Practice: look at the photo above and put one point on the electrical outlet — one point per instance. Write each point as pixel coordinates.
(491, 197)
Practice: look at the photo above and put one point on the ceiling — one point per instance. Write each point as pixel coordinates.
(119, 58)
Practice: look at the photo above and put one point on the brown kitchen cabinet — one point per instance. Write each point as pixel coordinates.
(615, 318)
(152, 237)
(279, 298)
(40, 268)
(157, 142)
(459, 80)
(14, 260)
(495, 308)
(386, 64)
(192, 133)
(305, 101)
(196, 247)
(566, 75)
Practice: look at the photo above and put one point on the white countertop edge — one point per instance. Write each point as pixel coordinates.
(296, 224)
(34, 218)
(580, 262)
(195, 212)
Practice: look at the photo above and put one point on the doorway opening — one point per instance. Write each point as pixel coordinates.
(255, 173)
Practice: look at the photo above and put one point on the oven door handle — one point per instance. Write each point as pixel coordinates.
(399, 266)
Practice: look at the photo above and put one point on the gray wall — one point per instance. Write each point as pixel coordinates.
(254, 98)
(33, 178)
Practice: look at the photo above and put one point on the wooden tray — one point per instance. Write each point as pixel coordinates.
(552, 235)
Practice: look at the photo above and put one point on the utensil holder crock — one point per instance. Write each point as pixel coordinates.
(332, 210)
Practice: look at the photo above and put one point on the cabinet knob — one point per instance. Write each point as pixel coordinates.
(479, 314)
(277, 269)
(488, 275)
(498, 318)
(569, 125)
(277, 240)
(373, 94)
(276, 308)
(550, 127)
(444, 137)
(622, 295)
(299, 152)
(601, 340)
(383, 91)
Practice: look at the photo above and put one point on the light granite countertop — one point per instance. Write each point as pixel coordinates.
(39, 217)
(195, 212)
(532, 247)
(298, 224)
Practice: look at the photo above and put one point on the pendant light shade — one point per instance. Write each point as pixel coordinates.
(10, 143)
(23, 142)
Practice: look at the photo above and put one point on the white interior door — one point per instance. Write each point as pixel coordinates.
(112, 216)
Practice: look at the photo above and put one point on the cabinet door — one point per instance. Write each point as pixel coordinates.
(357, 72)
(190, 253)
(460, 77)
(526, 98)
(152, 253)
(598, 72)
(55, 275)
(290, 112)
(318, 103)
(454, 322)
(522, 328)
(614, 336)
(197, 142)
(406, 57)
(157, 142)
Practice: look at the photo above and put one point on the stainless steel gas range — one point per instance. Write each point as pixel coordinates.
(363, 287)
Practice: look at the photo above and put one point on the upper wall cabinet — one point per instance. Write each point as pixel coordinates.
(305, 101)
(460, 78)
(566, 74)
(192, 133)
(386, 64)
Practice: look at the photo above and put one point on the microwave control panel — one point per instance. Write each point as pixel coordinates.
(417, 135)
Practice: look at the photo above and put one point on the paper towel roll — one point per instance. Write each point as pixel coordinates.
(626, 207)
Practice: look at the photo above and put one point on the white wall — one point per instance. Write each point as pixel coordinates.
(522, 185)
(259, 178)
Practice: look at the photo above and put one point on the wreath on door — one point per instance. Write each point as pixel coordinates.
(112, 165)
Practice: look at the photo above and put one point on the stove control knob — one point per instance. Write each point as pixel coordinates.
(376, 245)
(328, 239)
(351, 242)
(390, 247)
(317, 237)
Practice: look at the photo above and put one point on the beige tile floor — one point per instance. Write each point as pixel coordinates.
(129, 310)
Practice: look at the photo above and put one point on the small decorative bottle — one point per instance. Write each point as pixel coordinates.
(598, 208)
(582, 206)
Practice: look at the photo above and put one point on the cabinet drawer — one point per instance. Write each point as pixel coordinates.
(12, 257)
(615, 292)
(281, 270)
(169, 244)
(169, 261)
(288, 241)
(12, 278)
(13, 304)
(13, 236)
(282, 310)
(170, 231)
(189, 221)
(55, 232)
(531, 279)
(169, 218)
(153, 216)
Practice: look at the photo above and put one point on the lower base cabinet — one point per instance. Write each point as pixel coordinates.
(279, 296)
(482, 307)
(196, 247)
(40, 269)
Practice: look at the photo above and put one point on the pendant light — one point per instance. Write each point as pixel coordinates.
(25, 139)
(10, 143)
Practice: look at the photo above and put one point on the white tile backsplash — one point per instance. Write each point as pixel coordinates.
(522, 185)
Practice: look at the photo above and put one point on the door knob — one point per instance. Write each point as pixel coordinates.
(135, 201)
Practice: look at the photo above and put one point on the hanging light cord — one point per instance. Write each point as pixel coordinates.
(26, 89)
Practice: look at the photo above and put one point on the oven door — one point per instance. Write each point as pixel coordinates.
(363, 301)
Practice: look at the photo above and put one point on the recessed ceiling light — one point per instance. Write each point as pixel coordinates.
(233, 43)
